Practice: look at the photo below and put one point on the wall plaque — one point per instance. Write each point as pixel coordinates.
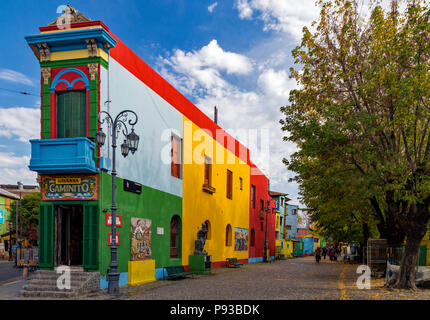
(70, 187)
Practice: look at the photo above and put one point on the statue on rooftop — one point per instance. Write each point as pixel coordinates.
(69, 15)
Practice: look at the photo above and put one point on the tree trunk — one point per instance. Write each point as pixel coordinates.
(416, 228)
(406, 277)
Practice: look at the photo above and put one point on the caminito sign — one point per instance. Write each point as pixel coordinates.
(76, 187)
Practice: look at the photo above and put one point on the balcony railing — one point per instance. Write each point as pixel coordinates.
(62, 156)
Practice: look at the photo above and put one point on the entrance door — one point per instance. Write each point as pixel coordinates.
(68, 235)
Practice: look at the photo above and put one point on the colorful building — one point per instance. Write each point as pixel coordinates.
(7, 236)
(261, 218)
(187, 171)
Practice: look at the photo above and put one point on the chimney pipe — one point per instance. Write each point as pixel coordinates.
(215, 115)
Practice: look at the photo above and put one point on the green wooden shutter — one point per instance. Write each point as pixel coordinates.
(91, 237)
(71, 114)
(46, 236)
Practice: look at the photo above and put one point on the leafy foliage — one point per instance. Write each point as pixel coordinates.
(30, 215)
(361, 118)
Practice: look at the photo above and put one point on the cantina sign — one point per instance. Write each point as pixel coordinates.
(82, 187)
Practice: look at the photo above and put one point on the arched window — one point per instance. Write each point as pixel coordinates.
(228, 236)
(208, 227)
(174, 237)
(252, 237)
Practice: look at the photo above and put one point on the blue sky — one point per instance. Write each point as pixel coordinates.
(233, 53)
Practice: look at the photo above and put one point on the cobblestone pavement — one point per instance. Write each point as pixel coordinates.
(292, 279)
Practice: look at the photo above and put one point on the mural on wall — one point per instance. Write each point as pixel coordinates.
(240, 239)
(140, 239)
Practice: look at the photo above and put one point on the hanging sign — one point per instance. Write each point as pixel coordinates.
(108, 219)
(70, 187)
(110, 239)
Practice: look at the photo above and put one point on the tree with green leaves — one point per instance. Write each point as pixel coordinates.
(30, 216)
(363, 102)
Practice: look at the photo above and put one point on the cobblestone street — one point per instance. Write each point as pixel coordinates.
(291, 279)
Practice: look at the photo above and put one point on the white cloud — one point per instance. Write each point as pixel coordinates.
(14, 76)
(245, 10)
(212, 7)
(198, 74)
(280, 15)
(13, 168)
(20, 123)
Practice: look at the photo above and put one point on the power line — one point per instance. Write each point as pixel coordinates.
(20, 92)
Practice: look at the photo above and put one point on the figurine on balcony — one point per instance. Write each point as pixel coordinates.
(200, 242)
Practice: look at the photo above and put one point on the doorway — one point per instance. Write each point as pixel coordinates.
(68, 235)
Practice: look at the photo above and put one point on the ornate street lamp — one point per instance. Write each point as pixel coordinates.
(265, 235)
(114, 128)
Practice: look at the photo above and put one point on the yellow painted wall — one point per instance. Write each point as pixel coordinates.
(199, 206)
(140, 272)
(77, 54)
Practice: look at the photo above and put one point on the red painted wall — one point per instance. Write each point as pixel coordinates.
(261, 184)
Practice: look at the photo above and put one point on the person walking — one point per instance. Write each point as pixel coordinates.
(324, 252)
(318, 255)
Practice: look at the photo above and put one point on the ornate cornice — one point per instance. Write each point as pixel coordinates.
(44, 52)
(92, 47)
(93, 69)
(46, 74)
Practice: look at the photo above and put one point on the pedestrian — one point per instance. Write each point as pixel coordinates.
(331, 253)
(324, 252)
(318, 254)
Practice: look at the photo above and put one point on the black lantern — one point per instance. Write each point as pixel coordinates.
(133, 141)
(124, 149)
(100, 137)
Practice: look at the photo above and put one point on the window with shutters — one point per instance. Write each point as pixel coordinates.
(228, 236)
(174, 237)
(7, 203)
(229, 184)
(208, 227)
(262, 209)
(176, 156)
(252, 196)
(71, 114)
(207, 184)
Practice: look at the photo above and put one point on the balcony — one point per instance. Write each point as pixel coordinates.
(62, 156)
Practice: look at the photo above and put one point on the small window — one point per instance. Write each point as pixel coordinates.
(252, 238)
(208, 227)
(241, 183)
(228, 236)
(229, 184)
(294, 211)
(208, 171)
(252, 196)
(176, 156)
(174, 237)
(261, 226)
(282, 202)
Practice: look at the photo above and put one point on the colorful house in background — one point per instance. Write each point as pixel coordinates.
(261, 217)
(186, 172)
(291, 220)
(7, 236)
(283, 246)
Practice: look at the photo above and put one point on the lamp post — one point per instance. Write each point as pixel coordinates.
(20, 188)
(265, 235)
(130, 144)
